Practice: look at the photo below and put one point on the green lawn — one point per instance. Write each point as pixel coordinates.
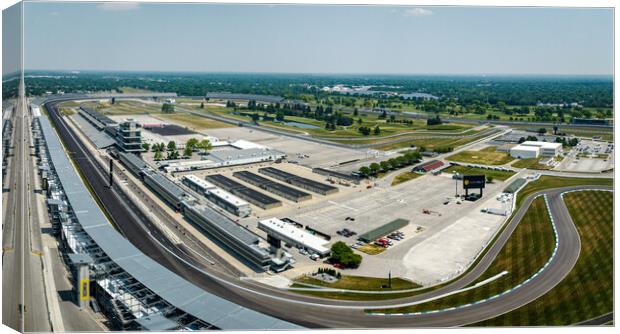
(496, 174)
(487, 156)
(528, 249)
(362, 283)
(404, 177)
(371, 249)
(533, 163)
(359, 283)
(124, 107)
(549, 182)
(193, 121)
(435, 143)
(587, 291)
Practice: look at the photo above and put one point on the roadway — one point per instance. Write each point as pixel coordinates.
(23, 287)
(310, 311)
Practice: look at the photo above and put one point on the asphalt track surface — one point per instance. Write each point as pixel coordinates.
(315, 312)
(23, 292)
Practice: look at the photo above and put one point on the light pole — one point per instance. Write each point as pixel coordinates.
(456, 184)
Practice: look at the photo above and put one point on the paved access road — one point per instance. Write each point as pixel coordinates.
(314, 312)
(23, 292)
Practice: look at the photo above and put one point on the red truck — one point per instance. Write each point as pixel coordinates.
(382, 242)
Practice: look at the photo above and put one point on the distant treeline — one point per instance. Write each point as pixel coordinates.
(589, 91)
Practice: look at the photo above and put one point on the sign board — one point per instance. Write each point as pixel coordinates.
(474, 181)
(84, 289)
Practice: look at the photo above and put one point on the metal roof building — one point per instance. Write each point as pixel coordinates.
(233, 236)
(175, 290)
(383, 230)
(99, 138)
(290, 234)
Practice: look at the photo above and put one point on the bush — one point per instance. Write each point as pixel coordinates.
(343, 254)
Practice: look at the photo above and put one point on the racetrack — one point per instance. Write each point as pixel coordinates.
(315, 312)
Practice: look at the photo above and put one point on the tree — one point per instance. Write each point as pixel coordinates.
(377, 131)
(202, 105)
(157, 156)
(385, 166)
(359, 121)
(374, 168)
(255, 118)
(204, 145)
(542, 131)
(191, 143)
(146, 147)
(490, 179)
(167, 108)
(280, 116)
(364, 171)
(343, 254)
(555, 129)
(521, 140)
(172, 146)
(393, 163)
(433, 121)
(187, 152)
(355, 112)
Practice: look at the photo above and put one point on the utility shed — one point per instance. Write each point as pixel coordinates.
(383, 230)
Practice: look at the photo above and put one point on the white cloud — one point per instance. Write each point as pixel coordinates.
(54, 13)
(118, 6)
(418, 12)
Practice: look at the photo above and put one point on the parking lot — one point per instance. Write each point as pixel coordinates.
(589, 156)
(434, 246)
(301, 151)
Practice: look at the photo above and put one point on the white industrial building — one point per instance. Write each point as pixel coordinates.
(217, 159)
(524, 152)
(293, 235)
(221, 198)
(534, 149)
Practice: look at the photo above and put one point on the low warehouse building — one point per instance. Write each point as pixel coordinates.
(298, 181)
(168, 190)
(524, 152)
(136, 165)
(273, 187)
(383, 230)
(255, 197)
(219, 197)
(546, 149)
(229, 202)
(428, 166)
(290, 234)
(241, 241)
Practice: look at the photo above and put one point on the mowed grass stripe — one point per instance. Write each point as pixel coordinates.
(529, 247)
(587, 291)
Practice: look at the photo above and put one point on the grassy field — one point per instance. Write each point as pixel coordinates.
(193, 121)
(587, 291)
(404, 177)
(549, 182)
(371, 249)
(371, 120)
(362, 283)
(487, 156)
(605, 133)
(433, 143)
(124, 108)
(533, 163)
(496, 174)
(358, 283)
(528, 249)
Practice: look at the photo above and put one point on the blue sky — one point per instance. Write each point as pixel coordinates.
(318, 39)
